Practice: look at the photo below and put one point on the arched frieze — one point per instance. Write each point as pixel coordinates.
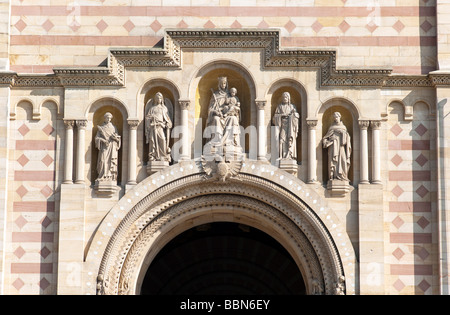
(160, 190)
(53, 101)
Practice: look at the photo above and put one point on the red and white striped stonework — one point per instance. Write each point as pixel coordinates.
(410, 252)
(32, 222)
(44, 36)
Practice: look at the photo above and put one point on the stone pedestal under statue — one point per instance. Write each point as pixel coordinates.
(226, 152)
(156, 166)
(289, 166)
(106, 188)
(338, 188)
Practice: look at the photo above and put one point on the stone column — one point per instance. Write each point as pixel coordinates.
(376, 156)
(441, 79)
(261, 130)
(132, 151)
(68, 158)
(184, 106)
(5, 202)
(364, 152)
(312, 160)
(442, 82)
(80, 162)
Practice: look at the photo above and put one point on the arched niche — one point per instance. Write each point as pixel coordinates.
(168, 92)
(96, 116)
(208, 82)
(24, 110)
(49, 112)
(349, 117)
(298, 98)
(421, 110)
(397, 109)
(167, 88)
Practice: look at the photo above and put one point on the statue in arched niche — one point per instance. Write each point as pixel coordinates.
(158, 124)
(286, 118)
(223, 156)
(224, 115)
(338, 142)
(108, 142)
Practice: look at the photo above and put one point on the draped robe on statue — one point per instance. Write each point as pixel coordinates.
(108, 142)
(286, 118)
(215, 122)
(338, 142)
(157, 122)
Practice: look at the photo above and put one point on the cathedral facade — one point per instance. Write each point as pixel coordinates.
(225, 147)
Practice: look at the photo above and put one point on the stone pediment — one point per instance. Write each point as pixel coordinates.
(170, 56)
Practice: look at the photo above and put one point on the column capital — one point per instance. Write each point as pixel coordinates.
(133, 123)
(82, 123)
(375, 124)
(260, 104)
(364, 124)
(312, 124)
(184, 104)
(69, 123)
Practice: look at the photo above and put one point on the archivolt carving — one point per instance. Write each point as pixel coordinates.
(247, 205)
(250, 194)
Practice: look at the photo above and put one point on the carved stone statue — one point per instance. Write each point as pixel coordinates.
(232, 117)
(286, 118)
(108, 142)
(158, 124)
(224, 115)
(340, 286)
(317, 288)
(338, 142)
(223, 154)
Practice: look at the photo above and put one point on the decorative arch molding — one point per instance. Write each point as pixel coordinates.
(339, 101)
(23, 102)
(219, 64)
(281, 83)
(107, 100)
(160, 207)
(51, 100)
(159, 82)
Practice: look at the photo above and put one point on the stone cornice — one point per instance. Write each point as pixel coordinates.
(170, 56)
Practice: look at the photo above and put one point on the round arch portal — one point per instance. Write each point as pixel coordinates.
(223, 258)
(167, 204)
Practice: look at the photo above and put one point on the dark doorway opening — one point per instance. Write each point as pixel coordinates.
(223, 259)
